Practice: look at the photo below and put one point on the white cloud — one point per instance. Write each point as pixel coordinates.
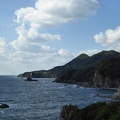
(3, 45)
(27, 46)
(32, 49)
(47, 13)
(52, 12)
(33, 35)
(64, 52)
(30, 40)
(111, 38)
(38, 61)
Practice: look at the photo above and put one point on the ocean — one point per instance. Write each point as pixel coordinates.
(43, 99)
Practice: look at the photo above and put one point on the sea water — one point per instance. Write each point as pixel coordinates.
(43, 99)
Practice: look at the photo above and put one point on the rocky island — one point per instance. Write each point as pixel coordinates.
(29, 78)
(3, 105)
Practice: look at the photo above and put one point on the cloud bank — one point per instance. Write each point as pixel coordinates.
(45, 14)
(51, 12)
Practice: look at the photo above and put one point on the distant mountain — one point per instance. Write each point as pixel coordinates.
(81, 62)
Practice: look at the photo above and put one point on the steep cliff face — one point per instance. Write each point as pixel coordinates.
(107, 73)
(104, 82)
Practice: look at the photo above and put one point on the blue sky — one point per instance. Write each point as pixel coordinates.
(42, 34)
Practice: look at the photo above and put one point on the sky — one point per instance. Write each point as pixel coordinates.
(42, 34)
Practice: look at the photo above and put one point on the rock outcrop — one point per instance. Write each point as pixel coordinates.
(29, 78)
(3, 105)
(116, 96)
(96, 111)
(104, 82)
(107, 73)
(67, 112)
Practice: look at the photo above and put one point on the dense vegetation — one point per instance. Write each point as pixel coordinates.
(77, 75)
(110, 68)
(96, 111)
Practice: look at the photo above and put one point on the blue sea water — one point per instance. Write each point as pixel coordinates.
(43, 100)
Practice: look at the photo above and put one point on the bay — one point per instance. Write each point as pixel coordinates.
(43, 99)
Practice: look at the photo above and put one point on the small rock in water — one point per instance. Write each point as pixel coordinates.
(4, 106)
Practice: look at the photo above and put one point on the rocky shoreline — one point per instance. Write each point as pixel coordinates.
(96, 111)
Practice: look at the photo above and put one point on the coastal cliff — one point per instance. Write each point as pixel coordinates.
(105, 82)
(107, 74)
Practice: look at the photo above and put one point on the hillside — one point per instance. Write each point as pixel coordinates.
(87, 69)
(82, 62)
(77, 75)
(110, 68)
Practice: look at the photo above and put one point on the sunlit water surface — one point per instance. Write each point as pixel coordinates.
(43, 100)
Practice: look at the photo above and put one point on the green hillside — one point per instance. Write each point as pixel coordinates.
(110, 68)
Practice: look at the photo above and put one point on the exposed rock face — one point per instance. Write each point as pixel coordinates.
(116, 95)
(104, 82)
(96, 111)
(30, 79)
(67, 112)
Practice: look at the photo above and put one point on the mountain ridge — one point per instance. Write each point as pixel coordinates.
(82, 61)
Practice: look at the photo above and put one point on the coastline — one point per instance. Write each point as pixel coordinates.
(95, 111)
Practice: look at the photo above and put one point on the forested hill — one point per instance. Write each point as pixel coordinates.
(82, 61)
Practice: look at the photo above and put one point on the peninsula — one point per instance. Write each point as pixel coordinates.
(99, 70)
